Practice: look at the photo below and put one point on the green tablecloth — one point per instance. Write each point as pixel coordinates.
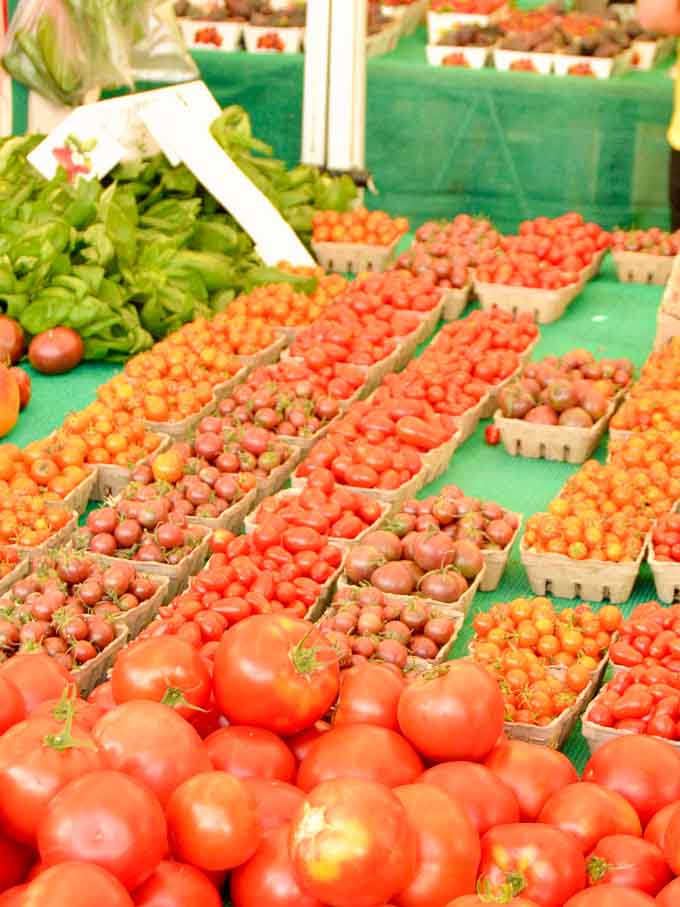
(611, 319)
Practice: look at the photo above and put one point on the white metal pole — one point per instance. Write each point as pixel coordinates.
(315, 102)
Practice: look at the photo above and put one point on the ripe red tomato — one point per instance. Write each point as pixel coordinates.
(369, 694)
(590, 812)
(250, 752)
(276, 801)
(14, 897)
(12, 709)
(212, 822)
(657, 827)
(534, 773)
(177, 885)
(152, 743)
(78, 885)
(448, 848)
(300, 744)
(456, 714)
(611, 896)
(643, 770)
(629, 862)
(131, 836)
(360, 751)
(323, 844)
(15, 861)
(474, 900)
(546, 861)
(671, 846)
(275, 672)
(31, 773)
(37, 677)
(668, 897)
(486, 799)
(163, 669)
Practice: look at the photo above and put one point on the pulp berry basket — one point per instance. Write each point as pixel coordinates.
(468, 422)
(94, 672)
(642, 267)
(555, 733)
(667, 327)
(232, 518)
(545, 305)
(437, 460)
(596, 735)
(137, 618)
(666, 577)
(325, 595)
(265, 356)
(408, 15)
(384, 41)
(19, 572)
(178, 431)
(111, 479)
(455, 301)
(474, 57)
(291, 38)
(78, 499)
(54, 541)
(563, 443)
(592, 580)
(497, 560)
(352, 258)
(206, 34)
(491, 400)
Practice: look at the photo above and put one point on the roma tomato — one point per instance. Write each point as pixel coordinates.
(455, 714)
(542, 863)
(152, 743)
(485, 798)
(275, 672)
(448, 848)
(611, 896)
(629, 862)
(360, 751)
(131, 837)
(176, 885)
(212, 822)
(38, 758)
(668, 897)
(534, 773)
(163, 669)
(15, 861)
(590, 812)
(78, 885)
(643, 770)
(268, 877)
(276, 801)
(323, 844)
(657, 827)
(250, 752)
(37, 677)
(369, 694)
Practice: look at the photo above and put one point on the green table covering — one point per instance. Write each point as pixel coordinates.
(609, 318)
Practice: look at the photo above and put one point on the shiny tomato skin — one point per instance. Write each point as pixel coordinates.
(448, 848)
(15, 861)
(671, 844)
(590, 812)
(32, 773)
(548, 861)
(642, 769)
(351, 844)
(667, 897)
(12, 709)
(453, 715)
(212, 822)
(485, 798)
(108, 819)
(534, 773)
(276, 801)
(78, 885)
(473, 900)
(268, 877)
(177, 885)
(628, 862)
(611, 896)
(658, 826)
(13, 897)
(369, 694)
(153, 744)
(360, 751)
(275, 672)
(250, 752)
(37, 677)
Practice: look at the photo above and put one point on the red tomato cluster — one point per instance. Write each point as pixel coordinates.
(653, 241)
(645, 700)
(371, 228)
(666, 538)
(650, 637)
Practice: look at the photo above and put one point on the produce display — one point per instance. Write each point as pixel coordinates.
(28, 521)
(371, 228)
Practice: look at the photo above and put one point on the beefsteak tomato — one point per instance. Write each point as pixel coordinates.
(486, 799)
(628, 862)
(590, 812)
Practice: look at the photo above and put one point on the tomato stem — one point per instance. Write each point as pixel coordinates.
(174, 697)
(65, 710)
(304, 660)
(514, 884)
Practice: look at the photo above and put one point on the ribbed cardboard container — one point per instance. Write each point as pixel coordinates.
(641, 267)
(19, 572)
(545, 305)
(94, 672)
(345, 258)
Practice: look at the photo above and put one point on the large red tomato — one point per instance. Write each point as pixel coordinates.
(15, 861)
(670, 895)
(12, 709)
(611, 896)
(177, 885)
(644, 770)
(540, 862)
(277, 802)
(250, 752)
(108, 819)
(268, 877)
(658, 825)
(78, 885)
(533, 772)
(486, 799)
(275, 672)
(352, 845)
(36, 761)
(300, 744)
(629, 862)
(671, 844)
(360, 751)
(369, 694)
(475, 900)
(212, 821)
(590, 812)
(37, 677)
(454, 712)
(152, 743)
(448, 848)
(163, 669)
(14, 897)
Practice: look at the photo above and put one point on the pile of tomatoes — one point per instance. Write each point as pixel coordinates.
(644, 700)
(281, 304)
(371, 228)
(650, 637)
(654, 401)
(27, 520)
(653, 241)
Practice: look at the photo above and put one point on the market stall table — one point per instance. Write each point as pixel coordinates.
(610, 319)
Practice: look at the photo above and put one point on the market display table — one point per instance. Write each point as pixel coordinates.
(609, 318)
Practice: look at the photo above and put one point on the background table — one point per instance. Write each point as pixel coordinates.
(609, 318)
